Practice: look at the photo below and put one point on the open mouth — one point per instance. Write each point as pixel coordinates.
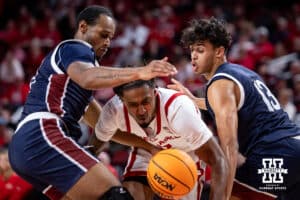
(102, 50)
(194, 67)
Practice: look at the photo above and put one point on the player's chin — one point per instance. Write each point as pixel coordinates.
(196, 69)
(142, 122)
(99, 56)
(101, 53)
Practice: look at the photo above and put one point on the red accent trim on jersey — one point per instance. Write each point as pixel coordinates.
(207, 173)
(135, 173)
(66, 145)
(199, 181)
(56, 92)
(132, 160)
(158, 117)
(170, 100)
(127, 119)
(54, 194)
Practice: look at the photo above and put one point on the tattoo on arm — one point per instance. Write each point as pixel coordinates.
(113, 76)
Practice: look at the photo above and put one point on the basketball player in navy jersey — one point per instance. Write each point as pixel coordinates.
(44, 150)
(249, 119)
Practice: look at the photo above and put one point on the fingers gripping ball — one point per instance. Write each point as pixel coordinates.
(172, 173)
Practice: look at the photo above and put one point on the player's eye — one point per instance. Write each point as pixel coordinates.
(146, 102)
(133, 105)
(104, 36)
(200, 49)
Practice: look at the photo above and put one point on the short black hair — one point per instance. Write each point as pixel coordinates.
(91, 13)
(134, 84)
(212, 30)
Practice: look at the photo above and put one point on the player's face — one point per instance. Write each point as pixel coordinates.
(100, 34)
(140, 103)
(203, 57)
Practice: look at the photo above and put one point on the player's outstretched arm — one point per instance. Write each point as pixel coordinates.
(212, 154)
(90, 77)
(95, 146)
(134, 141)
(200, 102)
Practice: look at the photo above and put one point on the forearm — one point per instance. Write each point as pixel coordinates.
(231, 156)
(227, 127)
(218, 189)
(103, 77)
(129, 139)
(95, 145)
(212, 154)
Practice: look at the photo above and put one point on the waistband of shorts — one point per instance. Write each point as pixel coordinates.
(36, 115)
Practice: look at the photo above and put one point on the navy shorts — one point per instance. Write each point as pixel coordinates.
(271, 170)
(43, 154)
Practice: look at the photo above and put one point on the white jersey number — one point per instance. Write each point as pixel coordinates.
(267, 96)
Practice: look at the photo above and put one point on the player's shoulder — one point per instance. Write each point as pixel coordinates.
(73, 48)
(75, 42)
(114, 104)
(165, 93)
(233, 69)
(169, 96)
(234, 72)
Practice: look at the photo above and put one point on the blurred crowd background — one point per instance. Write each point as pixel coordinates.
(266, 39)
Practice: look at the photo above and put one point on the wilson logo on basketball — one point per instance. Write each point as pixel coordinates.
(163, 182)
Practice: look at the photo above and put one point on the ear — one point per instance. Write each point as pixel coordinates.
(83, 26)
(121, 98)
(220, 52)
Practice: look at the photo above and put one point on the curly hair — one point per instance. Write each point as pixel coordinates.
(212, 30)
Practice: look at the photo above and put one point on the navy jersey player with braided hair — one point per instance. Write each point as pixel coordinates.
(44, 149)
(261, 144)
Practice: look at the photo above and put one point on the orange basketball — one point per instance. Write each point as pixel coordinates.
(172, 173)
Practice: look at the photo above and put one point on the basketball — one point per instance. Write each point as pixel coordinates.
(172, 173)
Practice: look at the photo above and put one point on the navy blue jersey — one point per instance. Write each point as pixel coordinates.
(52, 90)
(260, 117)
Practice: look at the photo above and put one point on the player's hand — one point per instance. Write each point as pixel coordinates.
(240, 160)
(157, 68)
(180, 88)
(154, 150)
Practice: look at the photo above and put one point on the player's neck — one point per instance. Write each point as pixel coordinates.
(216, 65)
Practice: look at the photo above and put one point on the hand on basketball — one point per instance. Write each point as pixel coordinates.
(180, 88)
(157, 68)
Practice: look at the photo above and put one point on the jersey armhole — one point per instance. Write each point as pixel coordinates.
(240, 86)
